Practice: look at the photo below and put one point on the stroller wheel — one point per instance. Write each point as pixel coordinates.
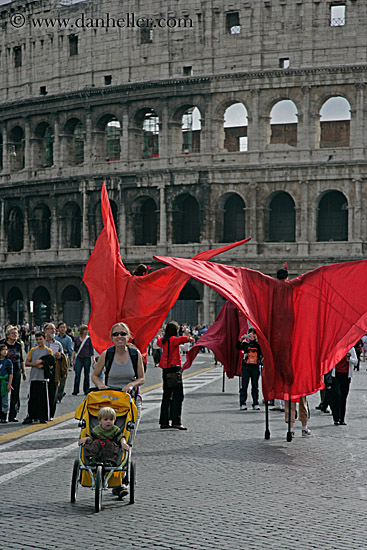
(74, 481)
(98, 490)
(132, 482)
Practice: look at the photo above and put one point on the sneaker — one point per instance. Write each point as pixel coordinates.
(243, 408)
(256, 408)
(306, 432)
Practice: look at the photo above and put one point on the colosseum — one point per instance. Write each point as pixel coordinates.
(209, 121)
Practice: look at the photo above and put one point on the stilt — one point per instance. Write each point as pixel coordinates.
(289, 433)
(223, 381)
(267, 431)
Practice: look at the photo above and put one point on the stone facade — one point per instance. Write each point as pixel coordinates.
(112, 102)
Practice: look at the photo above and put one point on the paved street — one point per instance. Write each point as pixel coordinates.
(220, 485)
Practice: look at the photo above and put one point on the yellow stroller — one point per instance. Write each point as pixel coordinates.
(97, 475)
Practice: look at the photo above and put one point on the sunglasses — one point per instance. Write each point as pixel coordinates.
(119, 334)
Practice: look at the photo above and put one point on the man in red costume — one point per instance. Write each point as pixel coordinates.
(304, 326)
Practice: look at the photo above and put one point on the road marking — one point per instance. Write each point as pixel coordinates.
(65, 427)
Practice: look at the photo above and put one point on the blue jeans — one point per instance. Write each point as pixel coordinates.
(80, 364)
(250, 372)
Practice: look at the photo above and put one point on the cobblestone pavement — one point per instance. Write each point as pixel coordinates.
(219, 485)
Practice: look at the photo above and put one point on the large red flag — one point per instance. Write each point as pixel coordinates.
(141, 302)
(305, 326)
(222, 338)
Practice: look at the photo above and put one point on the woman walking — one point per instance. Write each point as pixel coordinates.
(82, 358)
(170, 363)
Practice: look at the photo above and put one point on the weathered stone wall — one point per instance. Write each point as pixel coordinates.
(244, 67)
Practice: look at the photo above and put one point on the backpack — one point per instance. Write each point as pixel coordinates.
(110, 353)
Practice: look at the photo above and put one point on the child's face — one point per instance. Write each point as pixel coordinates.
(3, 353)
(107, 423)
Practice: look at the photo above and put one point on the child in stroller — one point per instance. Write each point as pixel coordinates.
(105, 439)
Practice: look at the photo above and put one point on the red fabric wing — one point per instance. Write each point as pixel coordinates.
(221, 337)
(304, 326)
(141, 302)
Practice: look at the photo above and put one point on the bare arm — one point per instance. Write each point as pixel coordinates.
(97, 371)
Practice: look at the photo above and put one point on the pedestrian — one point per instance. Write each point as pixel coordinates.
(6, 378)
(342, 376)
(173, 396)
(38, 402)
(251, 362)
(57, 350)
(157, 351)
(16, 355)
(68, 347)
(303, 415)
(83, 359)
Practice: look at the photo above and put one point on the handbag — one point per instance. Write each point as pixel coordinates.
(174, 379)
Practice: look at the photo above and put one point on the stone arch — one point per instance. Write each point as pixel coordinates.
(186, 219)
(42, 305)
(40, 222)
(281, 223)
(335, 122)
(233, 136)
(144, 221)
(71, 225)
(15, 306)
(73, 142)
(108, 138)
(144, 133)
(283, 123)
(43, 148)
(15, 229)
(231, 221)
(16, 148)
(190, 130)
(72, 305)
(332, 219)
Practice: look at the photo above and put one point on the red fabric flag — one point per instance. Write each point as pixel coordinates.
(222, 337)
(304, 326)
(141, 302)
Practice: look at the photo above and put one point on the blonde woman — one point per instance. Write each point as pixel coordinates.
(123, 364)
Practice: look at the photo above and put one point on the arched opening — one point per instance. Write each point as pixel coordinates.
(72, 305)
(42, 305)
(282, 218)
(191, 130)
(145, 221)
(15, 305)
(185, 309)
(41, 227)
(233, 219)
(335, 123)
(15, 230)
(235, 128)
(43, 146)
(332, 221)
(150, 135)
(283, 123)
(71, 225)
(107, 138)
(73, 142)
(186, 220)
(16, 148)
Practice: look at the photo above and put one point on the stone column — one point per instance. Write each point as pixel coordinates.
(53, 312)
(357, 138)
(357, 230)
(28, 161)
(302, 222)
(26, 240)
(252, 219)
(162, 242)
(304, 130)
(85, 228)
(125, 135)
(313, 214)
(3, 315)
(2, 228)
(254, 126)
(6, 163)
(164, 137)
(206, 305)
(56, 148)
(54, 226)
(122, 224)
(88, 153)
